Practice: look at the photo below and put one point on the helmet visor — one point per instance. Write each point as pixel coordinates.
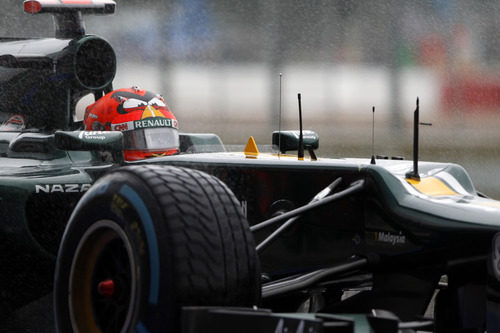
(159, 138)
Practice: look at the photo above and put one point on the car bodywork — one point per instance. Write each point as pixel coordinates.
(412, 232)
(362, 225)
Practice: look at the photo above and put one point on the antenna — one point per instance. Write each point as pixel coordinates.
(373, 136)
(301, 137)
(279, 120)
(416, 123)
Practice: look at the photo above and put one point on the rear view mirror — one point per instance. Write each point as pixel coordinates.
(289, 140)
(89, 140)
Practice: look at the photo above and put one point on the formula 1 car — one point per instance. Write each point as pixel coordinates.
(216, 241)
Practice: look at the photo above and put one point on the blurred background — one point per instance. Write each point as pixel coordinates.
(218, 64)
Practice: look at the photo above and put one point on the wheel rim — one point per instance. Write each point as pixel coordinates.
(102, 288)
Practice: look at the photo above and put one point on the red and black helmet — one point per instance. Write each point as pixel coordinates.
(149, 127)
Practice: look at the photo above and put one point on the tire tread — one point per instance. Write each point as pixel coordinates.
(207, 230)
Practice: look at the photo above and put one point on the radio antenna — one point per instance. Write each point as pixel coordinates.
(416, 123)
(301, 137)
(279, 120)
(373, 136)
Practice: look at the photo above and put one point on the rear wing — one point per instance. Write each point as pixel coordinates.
(68, 13)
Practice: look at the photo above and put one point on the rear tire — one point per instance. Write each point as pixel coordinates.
(146, 240)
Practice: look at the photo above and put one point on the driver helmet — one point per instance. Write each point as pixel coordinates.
(148, 125)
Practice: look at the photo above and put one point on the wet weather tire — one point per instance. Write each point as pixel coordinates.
(146, 240)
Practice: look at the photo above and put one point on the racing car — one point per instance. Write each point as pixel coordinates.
(211, 240)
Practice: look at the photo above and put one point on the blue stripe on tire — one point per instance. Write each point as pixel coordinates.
(147, 222)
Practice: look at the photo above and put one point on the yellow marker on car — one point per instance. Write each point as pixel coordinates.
(251, 150)
(431, 186)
